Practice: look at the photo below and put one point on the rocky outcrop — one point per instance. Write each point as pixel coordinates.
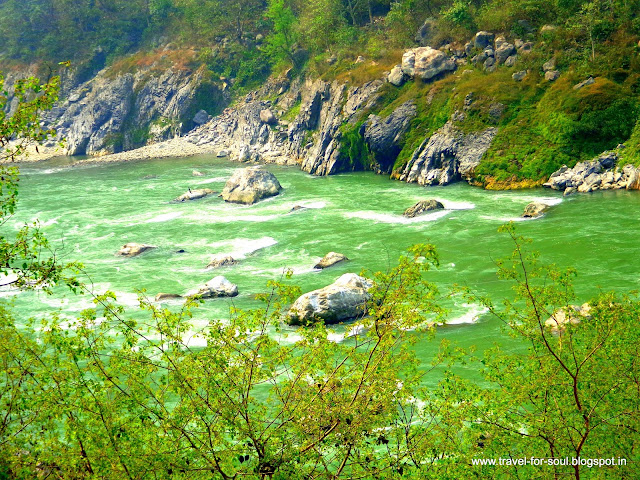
(535, 210)
(216, 287)
(249, 185)
(447, 156)
(195, 194)
(330, 259)
(133, 249)
(426, 63)
(384, 136)
(601, 173)
(222, 261)
(423, 206)
(344, 299)
(113, 111)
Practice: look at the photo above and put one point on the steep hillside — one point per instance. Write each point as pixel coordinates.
(496, 93)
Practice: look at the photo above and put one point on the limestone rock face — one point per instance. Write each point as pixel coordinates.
(344, 299)
(94, 116)
(216, 287)
(222, 261)
(134, 249)
(447, 156)
(535, 209)
(330, 259)
(425, 63)
(195, 194)
(423, 206)
(249, 185)
(384, 136)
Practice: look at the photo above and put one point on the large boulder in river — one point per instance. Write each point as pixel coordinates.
(249, 185)
(423, 206)
(330, 259)
(195, 194)
(344, 299)
(535, 210)
(134, 249)
(426, 63)
(216, 287)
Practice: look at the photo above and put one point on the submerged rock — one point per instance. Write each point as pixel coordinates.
(134, 249)
(330, 259)
(222, 261)
(344, 299)
(195, 194)
(249, 185)
(535, 209)
(423, 206)
(196, 173)
(216, 287)
(167, 296)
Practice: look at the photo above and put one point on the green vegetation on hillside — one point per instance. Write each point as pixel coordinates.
(542, 124)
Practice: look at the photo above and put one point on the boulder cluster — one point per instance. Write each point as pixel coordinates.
(601, 173)
(485, 50)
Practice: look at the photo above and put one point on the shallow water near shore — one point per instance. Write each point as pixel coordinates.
(88, 212)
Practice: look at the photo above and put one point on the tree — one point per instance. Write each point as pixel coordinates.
(23, 263)
(280, 43)
(571, 388)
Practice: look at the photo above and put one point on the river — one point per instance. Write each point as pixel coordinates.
(89, 212)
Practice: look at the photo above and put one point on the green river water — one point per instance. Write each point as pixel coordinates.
(89, 212)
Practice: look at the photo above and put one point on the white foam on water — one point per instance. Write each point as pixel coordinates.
(239, 248)
(457, 205)
(495, 218)
(165, 217)
(551, 201)
(396, 219)
(471, 316)
(207, 181)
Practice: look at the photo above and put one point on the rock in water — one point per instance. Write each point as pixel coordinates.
(535, 209)
(194, 194)
(423, 206)
(330, 259)
(216, 287)
(167, 296)
(249, 185)
(196, 173)
(222, 261)
(568, 316)
(134, 249)
(344, 299)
